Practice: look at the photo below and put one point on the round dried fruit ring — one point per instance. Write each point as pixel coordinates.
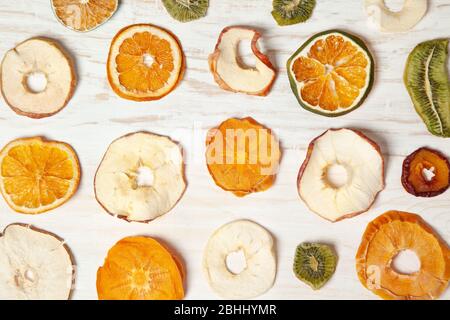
(332, 73)
(242, 156)
(384, 239)
(426, 173)
(38, 175)
(140, 268)
(34, 264)
(84, 15)
(342, 174)
(37, 78)
(141, 177)
(145, 63)
(249, 278)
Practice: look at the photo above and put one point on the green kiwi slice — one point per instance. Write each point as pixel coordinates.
(428, 85)
(287, 12)
(314, 264)
(186, 10)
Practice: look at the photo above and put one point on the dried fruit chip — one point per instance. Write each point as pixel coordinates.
(145, 63)
(141, 177)
(84, 15)
(38, 175)
(242, 156)
(37, 78)
(386, 237)
(332, 73)
(139, 268)
(34, 265)
(426, 173)
(229, 71)
(257, 248)
(342, 174)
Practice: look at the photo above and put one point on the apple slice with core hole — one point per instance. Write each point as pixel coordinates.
(229, 71)
(342, 174)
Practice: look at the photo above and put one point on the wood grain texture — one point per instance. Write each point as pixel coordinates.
(96, 116)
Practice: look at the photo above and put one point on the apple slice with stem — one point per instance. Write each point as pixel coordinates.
(342, 174)
(229, 71)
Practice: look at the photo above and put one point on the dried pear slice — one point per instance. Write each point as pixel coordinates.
(34, 265)
(386, 237)
(428, 85)
(426, 173)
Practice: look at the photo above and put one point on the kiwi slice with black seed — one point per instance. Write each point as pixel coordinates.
(428, 85)
(314, 264)
(287, 12)
(186, 10)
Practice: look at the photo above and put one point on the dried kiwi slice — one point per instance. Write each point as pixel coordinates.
(428, 85)
(314, 264)
(287, 12)
(186, 10)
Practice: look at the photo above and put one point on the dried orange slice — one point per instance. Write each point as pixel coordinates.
(426, 173)
(242, 156)
(332, 73)
(386, 237)
(140, 268)
(84, 15)
(145, 63)
(38, 175)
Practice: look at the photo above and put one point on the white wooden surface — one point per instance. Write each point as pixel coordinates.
(96, 116)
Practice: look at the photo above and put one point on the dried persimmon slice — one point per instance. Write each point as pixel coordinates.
(242, 156)
(140, 268)
(384, 239)
(426, 173)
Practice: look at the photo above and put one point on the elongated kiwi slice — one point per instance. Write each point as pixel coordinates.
(428, 85)
(314, 264)
(186, 10)
(287, 12)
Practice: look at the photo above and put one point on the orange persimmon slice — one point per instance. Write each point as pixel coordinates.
(140, 268)
(242, 156)
(426, 173)
(386, 237)
(145, 63)
(38, 175)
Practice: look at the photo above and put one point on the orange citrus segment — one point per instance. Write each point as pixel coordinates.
(84, 15)
(242, 156)
(145, 63)
(140, 268)
(38, 175)
(332, 74)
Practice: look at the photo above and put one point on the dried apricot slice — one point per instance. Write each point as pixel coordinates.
(145, 63)
(426, 173)
(386, 237)
(140, 268)
(332, 73)
(84, 15)
(38, 175)
(242, 156)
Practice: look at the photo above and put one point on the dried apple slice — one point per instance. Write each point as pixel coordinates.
(44, 60)
(384, 239)
(426, 173)
(34, 265)
(342, 174)
(141, 177)
(231, 74)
